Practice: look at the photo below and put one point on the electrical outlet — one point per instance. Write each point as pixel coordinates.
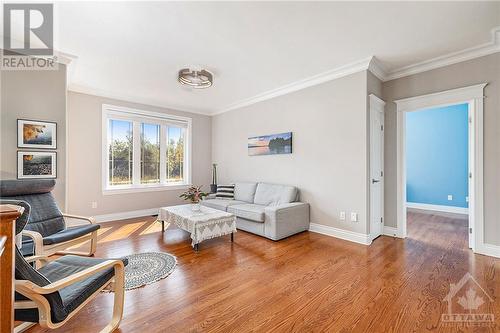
(450, 197)
(342, 216)
(354, 217)
(94, 204)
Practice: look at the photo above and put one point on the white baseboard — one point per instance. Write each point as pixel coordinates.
(125, 215)
(391, 231)
(438, 208)
(352, 236)
(488, 250)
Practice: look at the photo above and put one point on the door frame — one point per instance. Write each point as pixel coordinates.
(376, 105)
(473, 96)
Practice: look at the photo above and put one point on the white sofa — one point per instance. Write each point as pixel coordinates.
(268, 210)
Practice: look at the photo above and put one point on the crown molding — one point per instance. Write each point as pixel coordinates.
(332, 74)
(126, 98)
(378, 69)
(374, 65)
(448, 59)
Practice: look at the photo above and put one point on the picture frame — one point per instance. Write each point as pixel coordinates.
(271, 144)
(36, 164)
(36, 134)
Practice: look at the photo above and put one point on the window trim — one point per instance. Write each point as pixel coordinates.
(136, 115)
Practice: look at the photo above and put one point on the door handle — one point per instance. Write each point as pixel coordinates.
(375, 181)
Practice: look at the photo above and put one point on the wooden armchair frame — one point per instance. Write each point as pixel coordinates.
(59, 248)
(36, 299)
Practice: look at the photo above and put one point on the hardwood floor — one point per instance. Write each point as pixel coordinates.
(306, 283)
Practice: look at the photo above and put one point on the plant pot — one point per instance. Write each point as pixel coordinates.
(213, 188)
(196, 207)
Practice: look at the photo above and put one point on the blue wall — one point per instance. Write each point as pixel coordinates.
(436, 156)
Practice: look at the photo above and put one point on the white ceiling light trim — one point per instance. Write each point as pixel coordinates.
(125, 98)
(333, 74)
(449, 59)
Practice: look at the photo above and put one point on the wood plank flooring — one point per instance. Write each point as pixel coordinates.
(306, 283)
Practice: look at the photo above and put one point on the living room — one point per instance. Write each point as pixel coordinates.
(244, 166)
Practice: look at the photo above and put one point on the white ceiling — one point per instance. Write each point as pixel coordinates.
(133, 50)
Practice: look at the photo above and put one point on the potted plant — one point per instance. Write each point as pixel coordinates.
(194, 195)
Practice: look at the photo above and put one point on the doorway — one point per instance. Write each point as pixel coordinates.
(437, 172)
(472, 96)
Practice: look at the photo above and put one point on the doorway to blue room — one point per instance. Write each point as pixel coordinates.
(437, 171)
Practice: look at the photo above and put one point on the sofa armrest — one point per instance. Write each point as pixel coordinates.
(286, 219)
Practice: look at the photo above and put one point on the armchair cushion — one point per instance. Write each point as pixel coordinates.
(70, 233)
(45, 217)
(75, 294)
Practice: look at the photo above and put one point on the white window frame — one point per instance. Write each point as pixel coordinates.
(112, 112)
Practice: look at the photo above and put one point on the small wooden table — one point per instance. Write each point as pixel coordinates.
(202, 224)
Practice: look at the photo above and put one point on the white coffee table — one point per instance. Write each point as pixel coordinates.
(204, 224)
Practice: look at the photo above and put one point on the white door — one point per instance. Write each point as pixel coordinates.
(376, 166)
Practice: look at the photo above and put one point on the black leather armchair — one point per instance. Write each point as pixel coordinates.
(53, 293)
(46, 231)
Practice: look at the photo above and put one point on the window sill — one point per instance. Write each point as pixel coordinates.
(144, 188)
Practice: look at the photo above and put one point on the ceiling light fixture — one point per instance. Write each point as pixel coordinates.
(198, 79)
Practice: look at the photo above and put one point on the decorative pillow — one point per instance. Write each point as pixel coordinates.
(225, 192)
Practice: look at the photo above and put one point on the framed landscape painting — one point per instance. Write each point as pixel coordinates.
(36, 164)
(270, 144)
(36, 134)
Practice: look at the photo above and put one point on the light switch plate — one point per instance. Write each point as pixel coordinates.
(342, 216)
(354, 217)
(450, 197)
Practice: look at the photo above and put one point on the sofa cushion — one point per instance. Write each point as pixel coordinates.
(251, 212)
(273, 194)
(220, 204)
(225, 192)
(245, 191)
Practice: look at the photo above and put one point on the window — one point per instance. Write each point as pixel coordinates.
(150, 153)
(175, 154)
(120, 152)
(144, 150)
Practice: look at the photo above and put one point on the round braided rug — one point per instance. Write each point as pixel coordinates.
(146, 268)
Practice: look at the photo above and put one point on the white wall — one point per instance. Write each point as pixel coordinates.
(329, 161)
(36, 95)
(84, 159)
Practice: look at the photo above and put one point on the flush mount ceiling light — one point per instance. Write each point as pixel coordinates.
(197, 79)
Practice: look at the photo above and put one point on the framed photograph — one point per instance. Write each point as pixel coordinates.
(270, 144)
(36, 164)
(36, 134)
